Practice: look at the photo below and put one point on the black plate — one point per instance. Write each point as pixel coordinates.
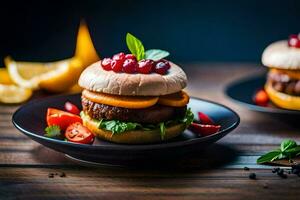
(30, 120)
(242, 91)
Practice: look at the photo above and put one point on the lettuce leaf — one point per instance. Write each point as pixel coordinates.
(118, 127)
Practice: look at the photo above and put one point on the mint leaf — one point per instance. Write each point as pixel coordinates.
(269, 157)
(287, 144)
(135, 46)
(53, 131)
(156, 54)
(162, 128)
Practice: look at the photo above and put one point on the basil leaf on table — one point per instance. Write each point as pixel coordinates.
(287, 144)
(288, 149)
(135, 46)
(269, 157)
(156, 54)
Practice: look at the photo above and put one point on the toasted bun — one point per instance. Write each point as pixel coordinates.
(281, 99)
(95, 78)
(280, 55)
(133, 137)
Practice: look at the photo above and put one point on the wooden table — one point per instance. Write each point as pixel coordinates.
(217, 173)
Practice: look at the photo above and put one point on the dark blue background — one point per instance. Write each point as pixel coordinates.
(191, 30)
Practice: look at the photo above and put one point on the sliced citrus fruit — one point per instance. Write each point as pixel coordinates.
(134, 102)
(178, 99)
(85, 49)
(14, 94)
(4, 77)
(53, 76)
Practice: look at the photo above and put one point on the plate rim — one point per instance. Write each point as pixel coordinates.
(254, 107)
(116, 146)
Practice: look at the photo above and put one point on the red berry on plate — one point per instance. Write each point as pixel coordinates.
(161, 67)
(145, 66)
(294, 41)
(116, 65)
(119, 56)
(130, 66)
(130, 56)
(261, 98)
(106, 64)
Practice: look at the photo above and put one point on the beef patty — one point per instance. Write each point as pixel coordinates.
(151, 115)
(283, 83)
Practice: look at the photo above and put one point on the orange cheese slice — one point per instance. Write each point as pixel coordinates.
(178, 99)
(133, 102)
(294, 74)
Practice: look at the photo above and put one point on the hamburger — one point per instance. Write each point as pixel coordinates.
(283, 79)
(134, 99)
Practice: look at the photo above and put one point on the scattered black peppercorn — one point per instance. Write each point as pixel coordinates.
(246, 168)
(280, 172)
(274, 170)
(50, 175)
(252, 176)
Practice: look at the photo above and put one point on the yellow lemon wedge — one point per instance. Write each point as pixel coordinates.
(14, 94)
(59, 76)
(4, 77)
(85, 49)
(56, 76)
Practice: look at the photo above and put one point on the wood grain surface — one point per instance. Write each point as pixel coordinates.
(216, 173)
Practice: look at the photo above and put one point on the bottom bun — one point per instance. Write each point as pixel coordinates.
(133, 137)
(281, 99)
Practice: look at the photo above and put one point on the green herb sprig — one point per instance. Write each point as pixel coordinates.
(53, 131)
(137, 48)
(118, 127)
(288, 149)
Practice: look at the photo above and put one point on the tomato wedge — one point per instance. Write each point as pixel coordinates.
(205, 119)
(78, 133)
(204, 129)
(71, 108)
(61, 118)
(261, 98)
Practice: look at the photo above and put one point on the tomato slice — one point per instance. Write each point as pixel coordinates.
(204, 129)
(78, 133)
(61, 118)
(205, 119)
(71, 108)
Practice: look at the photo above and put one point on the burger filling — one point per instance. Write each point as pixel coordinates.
(120, 119)
(151, 115)
(285, 81)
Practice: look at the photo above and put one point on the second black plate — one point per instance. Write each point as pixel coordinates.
(242, 91)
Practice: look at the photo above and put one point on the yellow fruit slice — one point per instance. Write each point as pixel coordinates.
(4, 77)
(14, 94)
(178, 99)
(53, 76)
(85, 49)
(134, 102)
(281, 99)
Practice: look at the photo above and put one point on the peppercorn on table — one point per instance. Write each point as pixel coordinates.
(225, 170)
